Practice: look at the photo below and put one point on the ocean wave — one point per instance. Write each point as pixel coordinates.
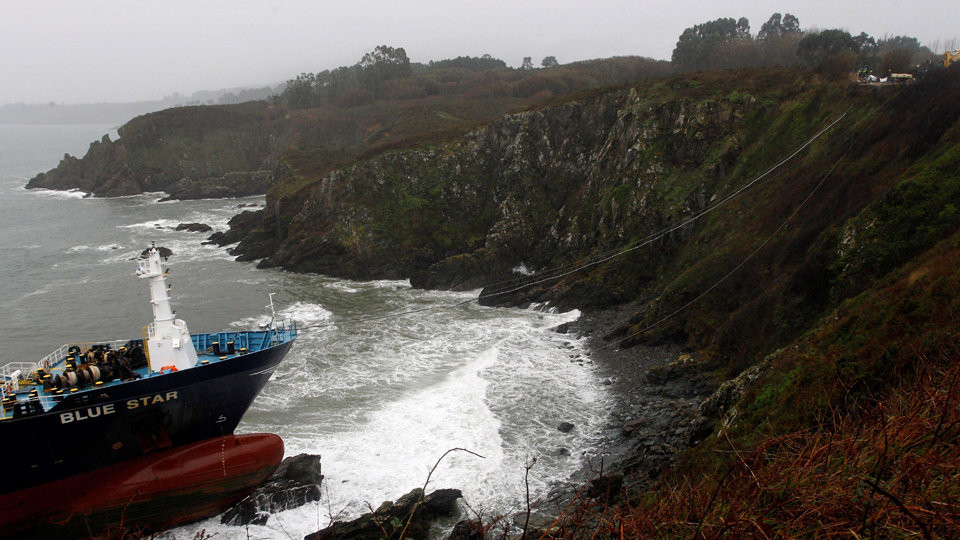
(306, 313)
(153, 224)
(69, 194)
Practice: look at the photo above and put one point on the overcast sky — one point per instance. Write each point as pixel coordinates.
(77, 51)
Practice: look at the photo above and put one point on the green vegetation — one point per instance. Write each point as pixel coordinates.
(831, 280)
(727, 43)
(387, 74)
(851, 426)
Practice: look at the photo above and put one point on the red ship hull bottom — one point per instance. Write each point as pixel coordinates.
(149, 493)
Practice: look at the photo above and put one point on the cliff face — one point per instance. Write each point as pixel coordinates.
(562, 186)
(533, 189)
(183, 145)
(527, 189)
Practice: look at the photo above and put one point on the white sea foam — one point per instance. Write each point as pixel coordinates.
(152, 224)
(305, 313)
(397, 445)
(37, 292)
(85, 248)
(70, 194)
(378, 394)
(406, 390)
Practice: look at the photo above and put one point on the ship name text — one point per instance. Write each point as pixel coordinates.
(110, 408)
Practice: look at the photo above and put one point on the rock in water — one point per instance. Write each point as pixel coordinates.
(467, 530)
(240, 225)
(164, 252)
(391, 518)
(295, 483)
(234, 184)
(194, 227)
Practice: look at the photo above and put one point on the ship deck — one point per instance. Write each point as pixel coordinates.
(27, 387)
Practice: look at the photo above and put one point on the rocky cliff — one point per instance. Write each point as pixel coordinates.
(530, 189)
(566, 185)
(173, 149)
(797, 232)
(796, 238)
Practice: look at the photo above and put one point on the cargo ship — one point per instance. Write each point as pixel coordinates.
(136, 433)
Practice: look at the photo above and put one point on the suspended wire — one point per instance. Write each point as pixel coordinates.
(765, 242)
(660, 234)
(561, 271)
(744, 261)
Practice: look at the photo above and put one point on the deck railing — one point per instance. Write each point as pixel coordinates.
(54, 360)
(13, 373)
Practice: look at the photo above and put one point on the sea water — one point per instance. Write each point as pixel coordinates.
(380, 393)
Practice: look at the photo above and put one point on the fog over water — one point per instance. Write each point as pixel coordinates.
(380, 401)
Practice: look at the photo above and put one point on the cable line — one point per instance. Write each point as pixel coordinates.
(562, 271)
(744, 261)
(768, 239)
(658, 235)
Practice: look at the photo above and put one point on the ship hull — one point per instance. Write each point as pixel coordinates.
(99, 428)
(153, 492)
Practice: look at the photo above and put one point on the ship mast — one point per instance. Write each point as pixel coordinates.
(168, 339)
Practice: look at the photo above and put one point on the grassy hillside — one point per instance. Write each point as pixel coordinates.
(821, 293)
(438, 103)
(843, 327)
(852, 430)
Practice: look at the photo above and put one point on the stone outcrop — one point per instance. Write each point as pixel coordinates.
(165, 252)
(192, 152)
(234, 184)
(534, 189)
(193, 227)
(295, 482)
(101, 171)
(411, 516)
(238, 224)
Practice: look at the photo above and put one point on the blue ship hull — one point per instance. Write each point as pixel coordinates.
(99, 426)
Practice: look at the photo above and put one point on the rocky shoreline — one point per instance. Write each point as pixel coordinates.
(656, 413)
(658, 396)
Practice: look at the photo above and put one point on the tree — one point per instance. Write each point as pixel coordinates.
(383, 55)
(299, 92)
(901, 54)
(483, 63)
(865, 44)
(549, 62)
(382, 64)
(527, 63)
(790, 25)
(896, 61)
(743, 28)
(777, 40)
(833, 51)
(777, 26)
(912, 44)
(815, 48)
(771, 28)
(707, 45)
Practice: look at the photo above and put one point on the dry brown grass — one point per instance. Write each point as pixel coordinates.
(893, 471)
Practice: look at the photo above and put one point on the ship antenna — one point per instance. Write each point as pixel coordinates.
(273, 315)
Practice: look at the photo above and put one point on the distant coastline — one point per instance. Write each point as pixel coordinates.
(120, 113)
